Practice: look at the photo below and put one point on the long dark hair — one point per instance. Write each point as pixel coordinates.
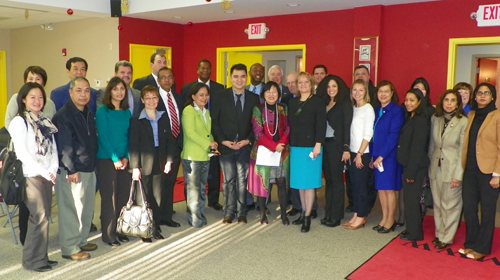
(106, 100)
(23, 92)
(193, 91)
(421, 109)
(424, 82)
(343, 91)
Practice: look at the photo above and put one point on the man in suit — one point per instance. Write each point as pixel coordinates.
(231, 127)
(204, 72)
(256, 76)
(124, 71)
(319, 73)
(172, 103)
(361, 72)
(291, 83)
(275, 74)
(75, 67)
(157, 62)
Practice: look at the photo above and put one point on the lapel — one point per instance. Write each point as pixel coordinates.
(485, 123)
(206, 126)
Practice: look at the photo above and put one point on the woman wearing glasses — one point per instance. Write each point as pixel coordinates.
(481, 161)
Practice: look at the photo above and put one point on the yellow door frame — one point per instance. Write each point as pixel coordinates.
(452, 53)
(222, 51)
(3, 87)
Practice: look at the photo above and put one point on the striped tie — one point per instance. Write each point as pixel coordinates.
(173, 116)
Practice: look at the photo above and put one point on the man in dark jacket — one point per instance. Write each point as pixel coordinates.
(75, 192)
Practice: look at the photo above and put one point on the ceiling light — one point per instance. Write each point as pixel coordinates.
(293, 4)
(177, 17)
(229, 11)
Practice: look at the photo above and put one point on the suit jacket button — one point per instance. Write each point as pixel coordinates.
(208, 136)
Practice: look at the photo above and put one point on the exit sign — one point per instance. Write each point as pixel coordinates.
(257, 31)
(488, 15)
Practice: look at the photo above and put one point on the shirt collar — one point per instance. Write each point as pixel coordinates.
(144, 115)
(207, 83)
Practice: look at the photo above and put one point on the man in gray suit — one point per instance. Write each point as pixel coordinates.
(124, 70)
(275, 74)
(256, 76)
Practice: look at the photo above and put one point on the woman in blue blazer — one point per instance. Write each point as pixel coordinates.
(389, 118)
(198, 142)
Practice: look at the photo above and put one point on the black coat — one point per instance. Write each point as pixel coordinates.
(214, 87)
(225, 124)
(180, 105)
(309, 127)
(76, 138)
(412, 145)
(142, 146)
(340, 119)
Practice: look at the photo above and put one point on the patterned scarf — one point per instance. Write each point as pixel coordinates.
(44, 129)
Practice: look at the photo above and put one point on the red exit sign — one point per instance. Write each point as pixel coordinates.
(488, 15)
(257, 31)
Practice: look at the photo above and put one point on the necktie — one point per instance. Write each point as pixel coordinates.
(254, 90)
(173, 116)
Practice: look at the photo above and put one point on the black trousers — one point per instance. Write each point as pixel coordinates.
(213, 181)
(360, 186)
(167, 192)
(476, 190)
(411, 198)
(24, 216)
(333, 168)
(152, 184)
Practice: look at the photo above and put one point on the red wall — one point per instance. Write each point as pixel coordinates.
(148, 32)
(413, 39)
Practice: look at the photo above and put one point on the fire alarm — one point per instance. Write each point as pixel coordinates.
(64, 53)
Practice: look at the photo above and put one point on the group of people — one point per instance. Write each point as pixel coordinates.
(80, 139)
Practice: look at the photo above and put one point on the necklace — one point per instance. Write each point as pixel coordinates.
(301, 104)
(267, 122)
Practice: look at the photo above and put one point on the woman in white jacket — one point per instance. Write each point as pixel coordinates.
(33, 137)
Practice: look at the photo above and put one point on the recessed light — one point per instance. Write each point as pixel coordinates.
(229, 11)
(293, 4)
(177, 17)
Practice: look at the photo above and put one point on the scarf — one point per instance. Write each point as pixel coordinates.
(44, 129)
(447, 119)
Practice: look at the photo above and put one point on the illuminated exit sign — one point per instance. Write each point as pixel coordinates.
(257, 31)
(488, 15)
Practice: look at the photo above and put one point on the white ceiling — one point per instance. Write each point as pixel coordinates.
(12, 12)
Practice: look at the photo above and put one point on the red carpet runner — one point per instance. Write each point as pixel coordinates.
(419, 260)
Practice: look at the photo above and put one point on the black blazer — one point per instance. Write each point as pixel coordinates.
(225, 125)
(142, 146)
(214, 87)
(412, 145)
(309, 127)
(180, 105)
(340, 118)
(140, 83)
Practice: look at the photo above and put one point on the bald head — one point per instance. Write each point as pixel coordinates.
(291, 82)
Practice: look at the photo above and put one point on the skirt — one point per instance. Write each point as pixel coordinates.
(305, 173)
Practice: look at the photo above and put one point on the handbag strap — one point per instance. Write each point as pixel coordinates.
(131, 196)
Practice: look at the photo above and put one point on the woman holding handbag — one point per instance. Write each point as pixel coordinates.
(198, 143)
(33, 137)
(150, 146)
(112, 123)
(271, 129)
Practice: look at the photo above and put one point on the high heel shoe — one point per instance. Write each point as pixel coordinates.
(377, 227)
(387, 230)
(285, 220)
(355, 227)
(306, 225)
(264, 220)
(300, 220)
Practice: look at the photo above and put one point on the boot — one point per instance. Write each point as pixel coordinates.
(282, 200)
(300, 220)
(307, 224)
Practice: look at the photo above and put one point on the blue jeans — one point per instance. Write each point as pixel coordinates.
(235, 170)
(360, 185)
(195, 176)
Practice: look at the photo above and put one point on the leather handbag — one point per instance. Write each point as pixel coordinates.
(136, 220)
(426, 196)
(12, 180)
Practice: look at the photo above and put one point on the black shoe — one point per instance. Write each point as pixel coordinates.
(377, 227)
(324, 220)
(403, 233)
(43, 268)
(435, 241)
(400, 224)
(300, 220)
(306, 225)
(441, 245)
(387, 230)
(114, 244)
(251, 207)
(123, 239)
(292, 212)
(264, 220)
(314, 214)
(285, 220)
(52, 263)
(242, 220)
(158, 236)
(227, 220)
(216, 206)
(349, 208)
(170, 223)
(332, 223)
(146, 240)
(93, 227)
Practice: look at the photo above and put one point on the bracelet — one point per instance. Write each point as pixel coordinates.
(360, 153)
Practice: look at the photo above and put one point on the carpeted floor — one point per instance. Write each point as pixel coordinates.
(420, 261)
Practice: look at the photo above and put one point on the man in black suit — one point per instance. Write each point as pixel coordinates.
(232, 129)
(256, 74)
(124, 71)
(275, 74)
(319, 73)
(173, 104)
(291, 83)
(204, 73)
(157, 62)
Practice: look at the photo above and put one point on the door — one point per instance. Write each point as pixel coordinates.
(233, 58)
(140, 56)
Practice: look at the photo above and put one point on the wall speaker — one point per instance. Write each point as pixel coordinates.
(116, 9)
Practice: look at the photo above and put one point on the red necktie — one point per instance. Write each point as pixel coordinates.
(173, 116)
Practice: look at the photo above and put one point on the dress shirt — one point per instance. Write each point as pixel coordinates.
(156, 79)
(242, 98)
(203, 112)
(154, 124)
(164, 96)
(256, 89)
(207, 83)
(130, 101)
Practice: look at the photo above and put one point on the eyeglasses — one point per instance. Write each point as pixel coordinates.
(485, 93)
(150, 98)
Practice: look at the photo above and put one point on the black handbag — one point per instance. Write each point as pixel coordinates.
(12, 180)
(136, 220)
(426, 197)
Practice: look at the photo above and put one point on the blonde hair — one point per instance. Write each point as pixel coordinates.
(366, 98)
(309, 78)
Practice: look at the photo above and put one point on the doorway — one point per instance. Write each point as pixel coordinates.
(286, 55)
(140, 56)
